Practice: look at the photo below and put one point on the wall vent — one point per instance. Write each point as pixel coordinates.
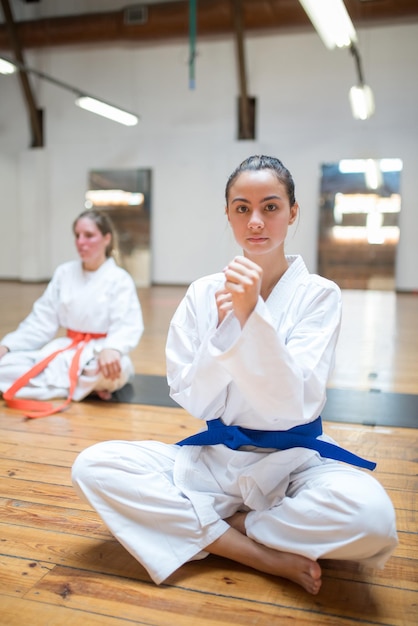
(136, 14)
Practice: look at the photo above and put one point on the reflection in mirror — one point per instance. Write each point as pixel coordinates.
(358, 229)
(125, 195)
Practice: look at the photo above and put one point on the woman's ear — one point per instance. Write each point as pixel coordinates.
(227, 212)
(293, 213)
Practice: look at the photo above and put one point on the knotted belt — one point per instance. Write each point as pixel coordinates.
(38, 408)
(302, 436)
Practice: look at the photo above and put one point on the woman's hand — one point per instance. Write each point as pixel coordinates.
(242, 284)
(109, 363)
(223, 303)
(3, 351)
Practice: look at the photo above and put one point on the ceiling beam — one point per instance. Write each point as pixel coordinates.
(215, 17)
(242, 70)
(33, 111)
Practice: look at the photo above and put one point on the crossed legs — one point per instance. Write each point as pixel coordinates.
(328, 512)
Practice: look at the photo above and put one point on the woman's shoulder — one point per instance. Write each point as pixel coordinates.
(111, 265)
(117, 274)
(300, 274)
(324, 283)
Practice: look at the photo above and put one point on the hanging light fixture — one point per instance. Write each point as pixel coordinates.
(360, 95)
(83, 100)
(333, 24)
(361, 101)
(331, 21)
(106, 110)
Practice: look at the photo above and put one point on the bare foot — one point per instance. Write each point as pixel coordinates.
(236, 546)
(104, 394)
(296, 568)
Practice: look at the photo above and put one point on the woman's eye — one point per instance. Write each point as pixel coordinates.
(270, 207)
(241, 209)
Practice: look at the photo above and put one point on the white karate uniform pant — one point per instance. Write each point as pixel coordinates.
(15, 364)
(330, 510)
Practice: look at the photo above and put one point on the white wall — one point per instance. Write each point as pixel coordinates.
(188, 139)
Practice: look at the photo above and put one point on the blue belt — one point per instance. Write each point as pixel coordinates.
(302, 436)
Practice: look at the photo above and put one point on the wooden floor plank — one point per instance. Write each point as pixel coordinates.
(63, 519)
(41, 493)
(35, 472)
(17, 575)
(398, 482)
(52, 546)
(39, 614)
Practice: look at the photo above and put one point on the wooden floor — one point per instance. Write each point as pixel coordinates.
(60, 566)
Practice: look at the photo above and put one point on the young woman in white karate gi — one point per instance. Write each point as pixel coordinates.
(90, 296)
(249, 350)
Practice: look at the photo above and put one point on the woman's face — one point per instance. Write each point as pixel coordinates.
(259, 212)
(91, 243)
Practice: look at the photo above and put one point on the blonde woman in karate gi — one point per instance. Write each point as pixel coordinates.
(96, 302)
(249, 351)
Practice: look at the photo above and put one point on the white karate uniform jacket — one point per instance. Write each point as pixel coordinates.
(270, 375)
(103, 301)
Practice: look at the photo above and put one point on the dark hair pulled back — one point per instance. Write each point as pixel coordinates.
(263, 162)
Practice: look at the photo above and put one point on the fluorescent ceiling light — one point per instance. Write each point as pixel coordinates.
(364, 203)
(116, 197)
(357, 166)
(362, 102)
(391, 165)
(106, 110)
(352, 166)
(331, 21)
(83, 100)
(6, 67)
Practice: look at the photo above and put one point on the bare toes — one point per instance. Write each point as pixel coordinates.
(311, 579)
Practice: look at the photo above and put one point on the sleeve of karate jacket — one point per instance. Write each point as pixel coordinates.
(42, 323)
(197, 380)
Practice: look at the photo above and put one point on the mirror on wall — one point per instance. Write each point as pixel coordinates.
(360, 203)
(125, 195)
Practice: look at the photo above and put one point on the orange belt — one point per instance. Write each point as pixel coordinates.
(38, 408)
